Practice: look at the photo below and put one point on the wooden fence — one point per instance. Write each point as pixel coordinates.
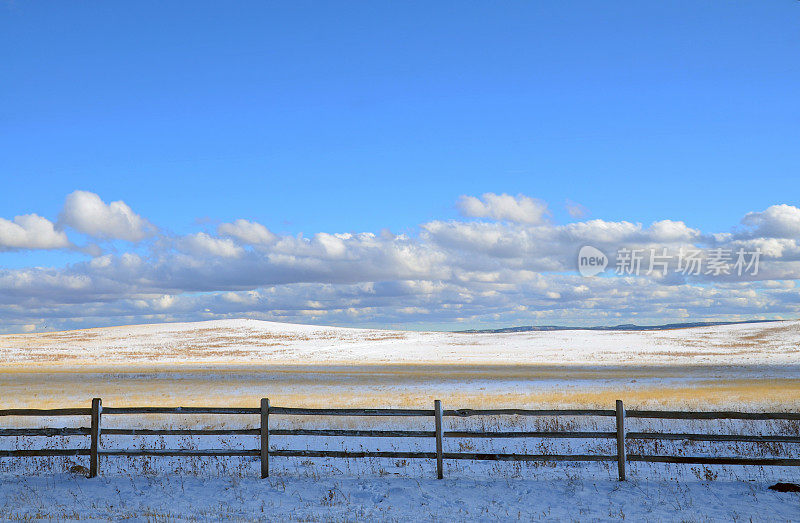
(97, 413)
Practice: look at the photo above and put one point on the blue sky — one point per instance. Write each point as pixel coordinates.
(334, 117)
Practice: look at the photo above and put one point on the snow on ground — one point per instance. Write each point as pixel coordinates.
(253, 341)
(236, 362)
(318, 489)
(387, 499)
(391, 489)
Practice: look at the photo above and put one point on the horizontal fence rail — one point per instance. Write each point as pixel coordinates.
(45, 412)
(676, 414)
(264, 451)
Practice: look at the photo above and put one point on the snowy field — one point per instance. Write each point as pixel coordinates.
(317, 489)
(63, 497)
(253, 341)
(236, 362)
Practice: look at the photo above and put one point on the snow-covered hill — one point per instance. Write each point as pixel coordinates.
(244, 341)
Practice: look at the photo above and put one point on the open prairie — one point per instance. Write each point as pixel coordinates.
(236, 362)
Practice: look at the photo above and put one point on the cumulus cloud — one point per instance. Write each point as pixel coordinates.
(247, 232)
(669, 231)
(499, 271)
(201, 244)
(603, 232)
(30, 231)
(85, 212)
(778, 221)
(520, 208)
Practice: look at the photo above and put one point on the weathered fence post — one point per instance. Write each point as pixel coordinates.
(621, 440)
(437, 408)
(264, 437)
(94, 458)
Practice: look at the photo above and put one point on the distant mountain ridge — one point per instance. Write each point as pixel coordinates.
(623, 327)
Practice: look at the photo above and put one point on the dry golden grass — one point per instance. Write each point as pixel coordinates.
(398, 386)
(57, 372)
(699, 353)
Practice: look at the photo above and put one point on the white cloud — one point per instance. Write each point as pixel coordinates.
(669, 231)
(332, 246)
(164, 302)
(778, 221)
(201, 244)
(520, 208)
(86, 212)
(601, 231)
(248, 232)
(506, 271)
(30, 231)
